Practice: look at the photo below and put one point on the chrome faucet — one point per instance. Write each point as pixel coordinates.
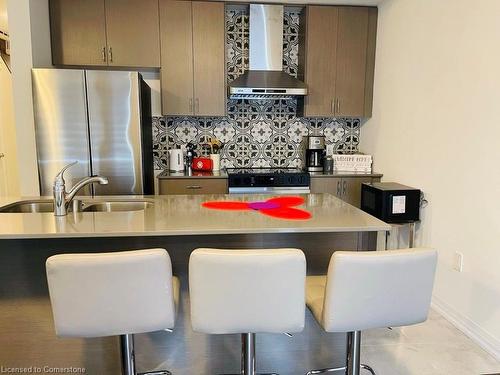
(62, 200)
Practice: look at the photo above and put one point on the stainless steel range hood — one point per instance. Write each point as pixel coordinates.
(266, 78)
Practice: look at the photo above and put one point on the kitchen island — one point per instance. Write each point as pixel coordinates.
(178, 224)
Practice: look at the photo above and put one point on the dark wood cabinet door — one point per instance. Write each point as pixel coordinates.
(320, 50)
(176, 38)
(351, 61)
(351, 189)
(370, 60)
(209, 58)
(332, 185)
(337, 60)
(78, 32)
(133, 33)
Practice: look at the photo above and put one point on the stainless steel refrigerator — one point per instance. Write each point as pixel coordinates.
(100, 118)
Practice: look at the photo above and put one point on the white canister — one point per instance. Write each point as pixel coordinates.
(215, 161)
(176, 160)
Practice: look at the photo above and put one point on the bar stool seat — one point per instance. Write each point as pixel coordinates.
(247, 292)
(315, 295)
(114, 293)
(366, 290)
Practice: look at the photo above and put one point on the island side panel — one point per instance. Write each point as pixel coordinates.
(28, 336)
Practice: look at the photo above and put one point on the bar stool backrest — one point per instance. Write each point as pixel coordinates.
(243, 291)
(378, 289)
(107, 294)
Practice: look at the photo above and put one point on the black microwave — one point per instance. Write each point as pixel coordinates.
(391, 202)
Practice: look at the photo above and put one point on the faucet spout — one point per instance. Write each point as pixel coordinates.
(62, 199)
(82, 183)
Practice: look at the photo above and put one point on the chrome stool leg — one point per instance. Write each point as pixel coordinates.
(128, 358)
(248, 354)
(248, 363)
(353, 365)
(353, 352)
(248, 366)
(127, 354)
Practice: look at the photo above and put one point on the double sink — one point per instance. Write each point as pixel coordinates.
(80, 205)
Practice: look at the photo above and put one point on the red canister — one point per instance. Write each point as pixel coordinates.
(202, 164)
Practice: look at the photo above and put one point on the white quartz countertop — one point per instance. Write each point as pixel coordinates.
(184, 215)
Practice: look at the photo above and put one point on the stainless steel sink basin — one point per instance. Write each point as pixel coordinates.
(116, 206)
(85, 205)
(32, 206)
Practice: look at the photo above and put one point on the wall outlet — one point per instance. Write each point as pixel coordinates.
(329, 150)
(458, 261)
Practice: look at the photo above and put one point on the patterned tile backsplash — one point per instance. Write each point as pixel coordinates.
(255, 133)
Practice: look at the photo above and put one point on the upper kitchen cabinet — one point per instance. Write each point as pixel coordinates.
(78, 32)
(133, 33)
(121, 33)
(209, 59)
(337, 60)
(193, 80)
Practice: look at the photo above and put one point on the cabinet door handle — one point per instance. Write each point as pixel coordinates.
(110, 54)
(193, 187)
(339, 192)
(338, 106)
(333, 106)
(197, 106)
(2, 155)
(191, 107)
(103, 52)
(344, 188)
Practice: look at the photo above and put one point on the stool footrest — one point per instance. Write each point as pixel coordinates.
(325, 370)
(157, 372)
(368, 368)
(333, 369)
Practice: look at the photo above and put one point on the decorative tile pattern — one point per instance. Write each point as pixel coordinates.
(256, 133)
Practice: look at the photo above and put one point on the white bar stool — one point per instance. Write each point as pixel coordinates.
(366, 290)
(116, 293)
(245, 292)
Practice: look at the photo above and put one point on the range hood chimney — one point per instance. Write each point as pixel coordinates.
(265, 78)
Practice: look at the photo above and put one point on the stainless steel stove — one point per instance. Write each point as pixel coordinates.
(268, 181)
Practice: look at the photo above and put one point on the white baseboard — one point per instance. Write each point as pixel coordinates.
(483, 338)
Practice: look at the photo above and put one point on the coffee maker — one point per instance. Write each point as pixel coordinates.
(314, 146)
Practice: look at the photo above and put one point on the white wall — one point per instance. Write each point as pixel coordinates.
(435, 127)
(4, 26)
(30, 47)
(8, 164)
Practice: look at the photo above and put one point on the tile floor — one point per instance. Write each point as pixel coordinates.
(435, 347)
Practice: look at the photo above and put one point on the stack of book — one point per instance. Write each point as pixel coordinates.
(352, 163)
